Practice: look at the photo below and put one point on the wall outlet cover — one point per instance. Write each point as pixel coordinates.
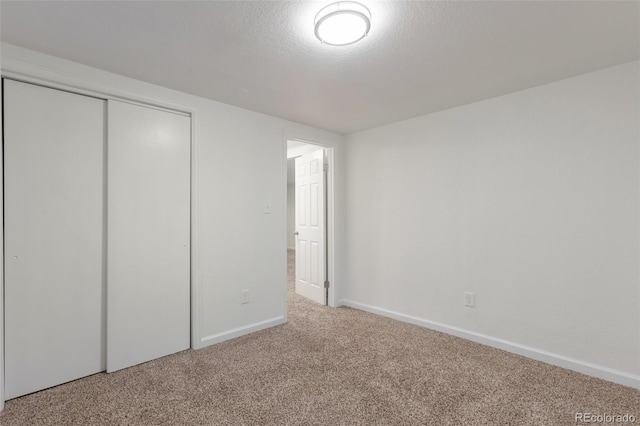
(469, 299)
(244, 297)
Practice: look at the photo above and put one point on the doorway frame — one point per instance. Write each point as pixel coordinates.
(330, 194)
(33, 74)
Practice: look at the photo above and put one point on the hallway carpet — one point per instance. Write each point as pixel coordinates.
(330, 367)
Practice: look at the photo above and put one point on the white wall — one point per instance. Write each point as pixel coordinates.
(291, 216)
(529, 200)
(300, 149)
(240, 163)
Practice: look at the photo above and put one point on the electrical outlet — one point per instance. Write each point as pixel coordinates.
(469, 299)
(267, 208)
(244, 297)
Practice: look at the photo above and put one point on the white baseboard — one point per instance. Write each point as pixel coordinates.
(240, 331)
(589, 369)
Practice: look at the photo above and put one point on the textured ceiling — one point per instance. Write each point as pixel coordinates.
(420, 56)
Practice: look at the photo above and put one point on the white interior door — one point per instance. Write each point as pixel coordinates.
(310, 226)
(54, 145)
(149, 234)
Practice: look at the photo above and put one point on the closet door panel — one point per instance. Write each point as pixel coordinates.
(149, 234)
(54, 145)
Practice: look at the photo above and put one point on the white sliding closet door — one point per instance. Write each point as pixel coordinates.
(54, 145)
(148, 234)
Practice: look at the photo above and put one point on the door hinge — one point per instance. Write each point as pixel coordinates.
(326, 167)
(326, 284)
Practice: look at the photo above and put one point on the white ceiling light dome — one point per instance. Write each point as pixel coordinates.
(342, 23)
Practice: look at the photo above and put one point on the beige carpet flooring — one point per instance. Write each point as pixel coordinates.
(330, 367)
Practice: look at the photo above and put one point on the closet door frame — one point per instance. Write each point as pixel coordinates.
(40, 76)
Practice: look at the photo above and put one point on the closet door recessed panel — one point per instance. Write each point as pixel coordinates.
(54, 145)
(149, 234)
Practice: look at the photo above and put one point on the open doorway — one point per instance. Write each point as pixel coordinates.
(309, 226)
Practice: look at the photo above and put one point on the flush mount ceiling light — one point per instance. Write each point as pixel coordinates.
(342, 23)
